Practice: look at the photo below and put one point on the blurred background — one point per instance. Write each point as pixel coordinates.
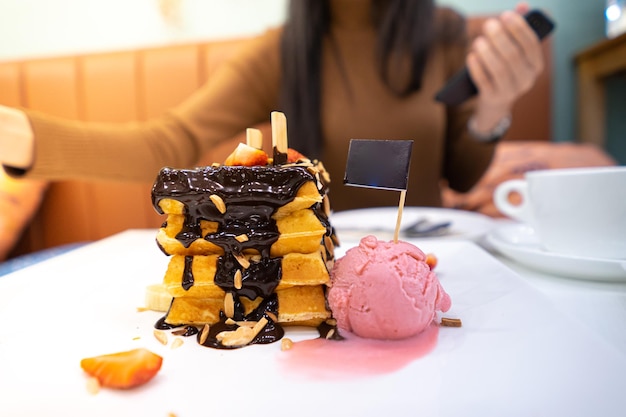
(123, 60)
(48, 28)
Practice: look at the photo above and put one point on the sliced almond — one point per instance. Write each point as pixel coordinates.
(325, 175)
(178, 342)
(229, 305)
(326, 206)
(204, 334)
(260, 325)
(219, 203)
(160, 336)
(180, 332)
(242, 336)
(330, 247)
(247, 323)
(255, 258)
(93, 385)
(243, 261)
(238, 279)
(286, 344)
(242, 238)
(330, 264)
(271, 316)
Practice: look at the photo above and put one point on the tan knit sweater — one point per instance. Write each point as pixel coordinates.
(244, 92)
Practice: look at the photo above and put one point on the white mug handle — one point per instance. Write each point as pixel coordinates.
(520, 212)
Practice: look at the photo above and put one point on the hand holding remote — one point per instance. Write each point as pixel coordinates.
(461, 87)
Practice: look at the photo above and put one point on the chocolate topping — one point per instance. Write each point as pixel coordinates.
(251, 196)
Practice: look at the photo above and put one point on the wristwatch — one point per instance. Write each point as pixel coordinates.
(495, 134)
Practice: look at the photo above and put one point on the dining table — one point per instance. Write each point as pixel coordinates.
(531, 343)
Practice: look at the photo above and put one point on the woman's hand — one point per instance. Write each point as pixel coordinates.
(504, 63)
(16, 138)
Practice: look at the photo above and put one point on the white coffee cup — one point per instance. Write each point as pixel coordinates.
(573, 211)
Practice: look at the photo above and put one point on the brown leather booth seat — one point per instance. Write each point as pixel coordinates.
(136, 85)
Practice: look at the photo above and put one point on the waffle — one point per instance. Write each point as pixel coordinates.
(194, 276)
(247, 245)
(303, 305)
(299, 231)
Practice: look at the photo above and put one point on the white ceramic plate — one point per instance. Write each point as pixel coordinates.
(515, 355)
(381, 222)
(520, 243)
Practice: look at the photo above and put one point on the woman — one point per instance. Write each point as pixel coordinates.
(338, 69)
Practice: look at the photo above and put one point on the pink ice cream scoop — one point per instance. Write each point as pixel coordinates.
(385, 290)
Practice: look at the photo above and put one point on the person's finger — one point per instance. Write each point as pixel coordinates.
(522, 8)
(493, 65)
(479, 75)
(525, 38)
(507, 49)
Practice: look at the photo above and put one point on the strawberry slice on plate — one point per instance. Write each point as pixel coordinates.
(123, 370)
(246, 155)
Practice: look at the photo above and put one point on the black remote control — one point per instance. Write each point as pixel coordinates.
(461, 87)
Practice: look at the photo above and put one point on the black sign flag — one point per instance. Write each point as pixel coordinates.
(382, 164)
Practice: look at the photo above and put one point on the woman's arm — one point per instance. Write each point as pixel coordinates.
(240, 93)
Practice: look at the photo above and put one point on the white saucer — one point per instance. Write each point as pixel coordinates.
(381, 222)
(520, 243)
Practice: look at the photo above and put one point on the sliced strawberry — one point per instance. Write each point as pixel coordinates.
(293, 156)
(246, 155)
(123, 370)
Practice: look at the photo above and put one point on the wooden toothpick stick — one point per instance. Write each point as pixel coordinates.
(279, 137)
(399, 219)
(254, 138)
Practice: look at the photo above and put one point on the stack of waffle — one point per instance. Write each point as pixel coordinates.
(250, 247)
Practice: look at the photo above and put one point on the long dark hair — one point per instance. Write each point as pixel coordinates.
(405, 29)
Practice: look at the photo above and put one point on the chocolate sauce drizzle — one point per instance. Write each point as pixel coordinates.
(188, 279)
(251, 195)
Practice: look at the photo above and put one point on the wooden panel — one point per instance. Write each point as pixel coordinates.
(64, 215)
(109, 87)
(50, 86)
(168, 75)
(595, 64)
(10, 94)
(110, 94)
